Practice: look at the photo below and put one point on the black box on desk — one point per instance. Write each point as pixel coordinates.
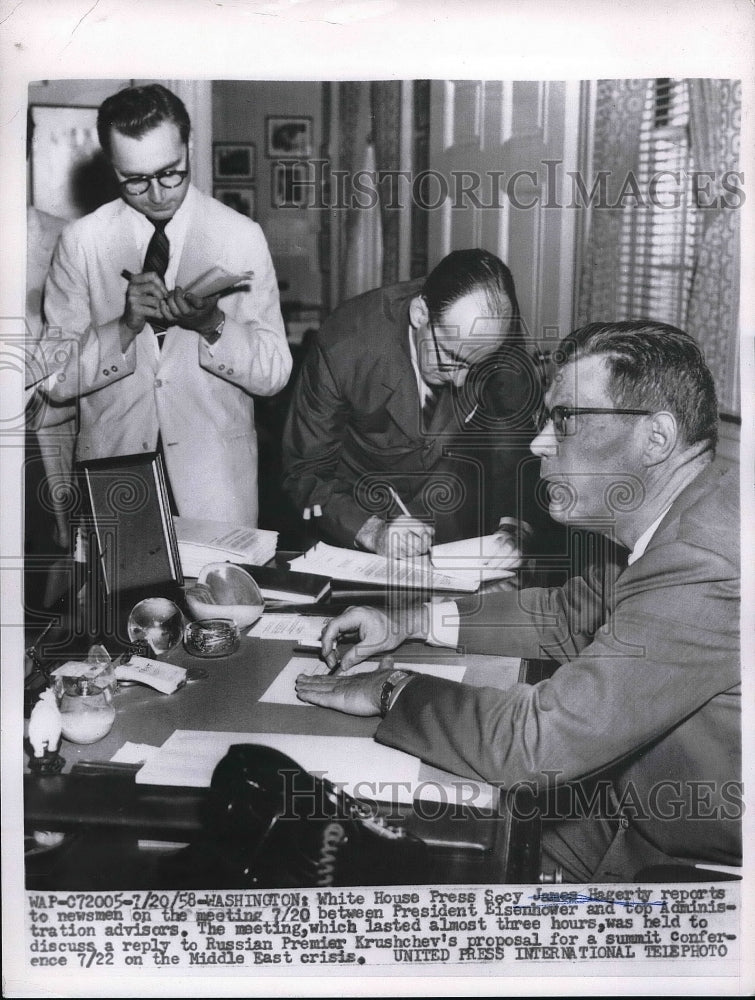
(133, 551)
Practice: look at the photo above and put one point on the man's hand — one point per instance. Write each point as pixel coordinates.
(357, 695)
(377, 632)
(183, 309)
(144, 296)
(401, 538)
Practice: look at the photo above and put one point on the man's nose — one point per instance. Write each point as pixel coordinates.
(545, 444)
(156, 191)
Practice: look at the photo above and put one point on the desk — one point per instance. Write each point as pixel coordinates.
(109, 813)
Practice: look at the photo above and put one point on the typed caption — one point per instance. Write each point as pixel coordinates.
(330, 929)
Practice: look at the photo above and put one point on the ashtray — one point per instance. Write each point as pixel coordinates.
(211, 637)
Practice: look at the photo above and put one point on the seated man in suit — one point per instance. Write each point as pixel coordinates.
(642, 717)
(423, 388)
(153, 366)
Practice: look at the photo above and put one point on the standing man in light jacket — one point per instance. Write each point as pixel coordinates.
(641, 721)
(153, 366)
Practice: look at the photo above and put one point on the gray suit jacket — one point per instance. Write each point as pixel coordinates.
(648, 695)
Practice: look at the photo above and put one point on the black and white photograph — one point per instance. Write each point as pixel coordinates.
(372, 590)
(234, 162)
(288, 136)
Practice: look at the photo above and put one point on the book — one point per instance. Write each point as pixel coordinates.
(217, 281)
(201, 542)
(277, 583)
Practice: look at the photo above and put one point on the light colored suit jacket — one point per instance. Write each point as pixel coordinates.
(648, 695)
(199, 398)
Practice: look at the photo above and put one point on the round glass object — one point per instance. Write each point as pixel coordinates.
(157, 622)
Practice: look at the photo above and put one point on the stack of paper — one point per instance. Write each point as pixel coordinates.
(366, 567)
(201, 542)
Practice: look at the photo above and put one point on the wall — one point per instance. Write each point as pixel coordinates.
(240, 108)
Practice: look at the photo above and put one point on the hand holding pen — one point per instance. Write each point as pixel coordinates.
(405, 536)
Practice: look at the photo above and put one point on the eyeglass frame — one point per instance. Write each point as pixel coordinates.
(560, 414)
(457, 361)
(159, 177)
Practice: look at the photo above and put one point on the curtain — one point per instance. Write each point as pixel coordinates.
(361, 255)
(618, 119)
(713, 310)
(386, 132)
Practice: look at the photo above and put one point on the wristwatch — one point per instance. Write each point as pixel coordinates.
(214, 335)
(392, 681)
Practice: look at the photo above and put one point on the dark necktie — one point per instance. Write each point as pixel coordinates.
(156, 260)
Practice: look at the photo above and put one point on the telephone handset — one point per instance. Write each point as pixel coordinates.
(275, 825)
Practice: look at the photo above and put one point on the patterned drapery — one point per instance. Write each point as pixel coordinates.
(618, 118)
(713, 311)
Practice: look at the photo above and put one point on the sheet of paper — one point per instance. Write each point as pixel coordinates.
(189, 757)
(134, 753)
(366, 567)
(304, 629)
(283, 692)
(489, 557)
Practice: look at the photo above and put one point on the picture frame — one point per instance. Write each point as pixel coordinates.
(288, 136)
(289, 184)
(234, 162)
(240, 198)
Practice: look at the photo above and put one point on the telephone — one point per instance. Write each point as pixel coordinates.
(274, 825)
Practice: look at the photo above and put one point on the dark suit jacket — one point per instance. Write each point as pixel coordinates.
(648, 694)
(354, 427)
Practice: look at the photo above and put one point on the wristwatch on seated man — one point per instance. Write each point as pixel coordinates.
(392, 686)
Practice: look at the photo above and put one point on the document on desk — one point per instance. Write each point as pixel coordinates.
(283, 690)
(490, 557)
(367, 567)
(304, 629)
(364, 768)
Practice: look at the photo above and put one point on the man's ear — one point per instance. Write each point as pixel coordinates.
(661, 434)
(419, 314)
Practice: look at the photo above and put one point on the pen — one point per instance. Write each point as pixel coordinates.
(126, 274)
(399, 502)
(333, 662)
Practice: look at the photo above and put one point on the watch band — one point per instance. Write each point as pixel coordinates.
(389, 685)
(214, 335)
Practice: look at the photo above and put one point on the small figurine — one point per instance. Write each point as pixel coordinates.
(45, 727)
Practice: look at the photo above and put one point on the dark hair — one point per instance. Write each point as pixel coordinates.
(466, 271)
(652, 366)
(137, 110)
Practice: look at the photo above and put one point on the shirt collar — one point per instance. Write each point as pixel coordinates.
(644, 540)
(143, 227)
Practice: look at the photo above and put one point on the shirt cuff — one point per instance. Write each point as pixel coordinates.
(444, 624)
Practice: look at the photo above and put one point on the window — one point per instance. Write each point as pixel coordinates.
(659, 226)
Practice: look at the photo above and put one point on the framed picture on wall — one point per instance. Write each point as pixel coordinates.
(290, 185)
(234, 161)
(288, 137)
(237, 197)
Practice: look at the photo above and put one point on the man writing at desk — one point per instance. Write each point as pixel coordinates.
(158, 367)
(646, 701)
(416, 396)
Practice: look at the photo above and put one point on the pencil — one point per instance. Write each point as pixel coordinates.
(126, 274)
(399, 502)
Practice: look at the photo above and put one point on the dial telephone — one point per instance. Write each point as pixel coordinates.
(273, 825)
